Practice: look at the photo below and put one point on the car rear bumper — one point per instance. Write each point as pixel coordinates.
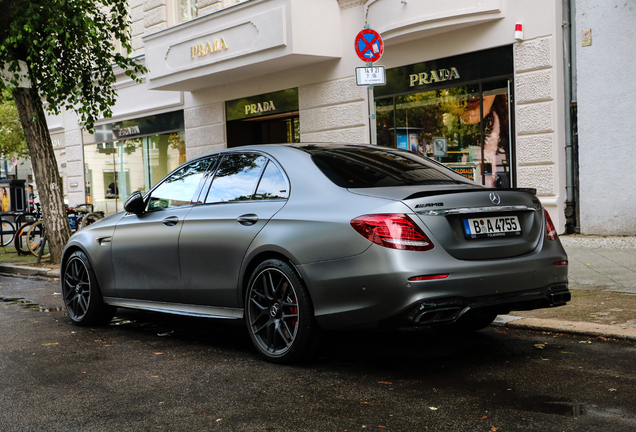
(373, 288)
(447, 310)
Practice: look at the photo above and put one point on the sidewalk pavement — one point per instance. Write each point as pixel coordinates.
(597, 264)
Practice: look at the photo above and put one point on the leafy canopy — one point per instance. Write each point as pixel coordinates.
(69, 48)
(12, 140)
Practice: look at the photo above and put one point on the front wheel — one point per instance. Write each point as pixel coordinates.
(82, 297)
(7, 232)
(279, 313)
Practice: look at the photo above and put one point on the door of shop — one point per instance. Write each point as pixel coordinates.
(282, 128)
(264, 119)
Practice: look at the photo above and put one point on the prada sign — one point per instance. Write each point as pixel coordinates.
(433, 76)
(266, 104)
(448, 72)
(202, 50)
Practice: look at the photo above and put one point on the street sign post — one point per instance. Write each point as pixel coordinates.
(369, 48)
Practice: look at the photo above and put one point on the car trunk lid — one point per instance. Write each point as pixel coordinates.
(474, 223)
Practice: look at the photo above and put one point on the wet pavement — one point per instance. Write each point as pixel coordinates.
(153, 372)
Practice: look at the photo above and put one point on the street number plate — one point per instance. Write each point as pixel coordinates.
(492, 227)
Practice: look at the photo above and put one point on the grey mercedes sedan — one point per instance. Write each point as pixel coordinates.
(299, 239)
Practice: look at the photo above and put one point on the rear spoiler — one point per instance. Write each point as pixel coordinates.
(423, 194)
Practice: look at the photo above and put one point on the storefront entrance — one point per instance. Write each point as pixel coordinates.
(455, 110)
(265, 119)
(283, 128)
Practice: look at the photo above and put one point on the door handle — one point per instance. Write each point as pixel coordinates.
(170, 220)
(247, 219)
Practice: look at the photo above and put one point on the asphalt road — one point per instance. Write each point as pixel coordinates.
(148, 372)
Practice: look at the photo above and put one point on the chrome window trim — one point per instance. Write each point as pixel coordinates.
(469, 210)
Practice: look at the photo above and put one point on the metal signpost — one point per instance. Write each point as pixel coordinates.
(369, 48)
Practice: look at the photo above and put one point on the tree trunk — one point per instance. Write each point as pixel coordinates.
(45, 170)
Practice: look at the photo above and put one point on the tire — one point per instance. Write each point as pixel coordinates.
(89, 219)
(279, 314)
(81, 294)
(8, 232)
(20, 241)
(35, 239)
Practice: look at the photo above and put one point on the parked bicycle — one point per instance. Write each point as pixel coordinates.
(79, 217)
(20, 242)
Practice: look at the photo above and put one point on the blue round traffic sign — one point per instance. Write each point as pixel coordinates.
(369, 45)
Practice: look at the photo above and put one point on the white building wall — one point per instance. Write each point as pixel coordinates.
(539, 108)
(333, 108)
(605, 89)
(334, 111)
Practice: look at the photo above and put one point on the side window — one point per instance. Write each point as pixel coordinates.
(273, 184)
(236, 178)
(181, 188)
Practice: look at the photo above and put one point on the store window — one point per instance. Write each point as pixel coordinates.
(131, 155)
(464, 125)
(115, 169)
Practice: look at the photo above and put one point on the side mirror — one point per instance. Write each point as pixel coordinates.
(135, 203)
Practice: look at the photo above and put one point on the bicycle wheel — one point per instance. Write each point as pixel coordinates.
(35, 239)
(7, 233)
(88, 219)
(20, 241)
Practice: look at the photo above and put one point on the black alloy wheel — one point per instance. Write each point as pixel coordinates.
(279, 313)
(82, 297)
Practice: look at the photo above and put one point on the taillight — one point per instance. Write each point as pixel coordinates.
(549, 227)
(395, 231)
(428, 277)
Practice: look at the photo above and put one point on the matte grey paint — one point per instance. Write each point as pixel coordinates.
(199, 265)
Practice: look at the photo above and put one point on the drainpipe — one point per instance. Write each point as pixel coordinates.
(571, 141)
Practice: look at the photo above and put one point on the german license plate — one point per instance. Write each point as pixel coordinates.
(492, 227)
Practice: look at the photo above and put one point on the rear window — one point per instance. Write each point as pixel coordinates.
(364, 167)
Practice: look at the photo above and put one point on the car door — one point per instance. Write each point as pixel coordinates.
(246, 191)
(145, 247)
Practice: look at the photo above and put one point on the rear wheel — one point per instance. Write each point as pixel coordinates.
(279, 313)
(20, 241)
(82, 297)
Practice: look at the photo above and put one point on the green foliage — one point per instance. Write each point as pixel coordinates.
(69, 48)
(12, 141)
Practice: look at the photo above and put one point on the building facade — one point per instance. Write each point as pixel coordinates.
(461, 86)
(607, 196)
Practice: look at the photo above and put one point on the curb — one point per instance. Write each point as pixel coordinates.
(572, 327)
(28, 271)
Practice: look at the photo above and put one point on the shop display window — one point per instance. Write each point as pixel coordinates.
(466, 128)
(116, 169)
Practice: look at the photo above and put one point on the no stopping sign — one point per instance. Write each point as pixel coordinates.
(369, 45)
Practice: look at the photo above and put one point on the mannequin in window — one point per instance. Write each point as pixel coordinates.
(112, 191)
